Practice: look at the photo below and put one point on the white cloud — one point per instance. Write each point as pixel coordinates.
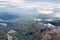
(48, 19)
(10, 3)
(45, 10)
(41, 7)
(3, 24)
(57, 15)
(38, 5)
(16, 1)
(37, 19)
(29, 4)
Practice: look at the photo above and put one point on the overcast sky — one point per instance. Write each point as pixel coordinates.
(41, 6)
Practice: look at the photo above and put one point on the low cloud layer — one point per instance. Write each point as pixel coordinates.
(42, 7)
